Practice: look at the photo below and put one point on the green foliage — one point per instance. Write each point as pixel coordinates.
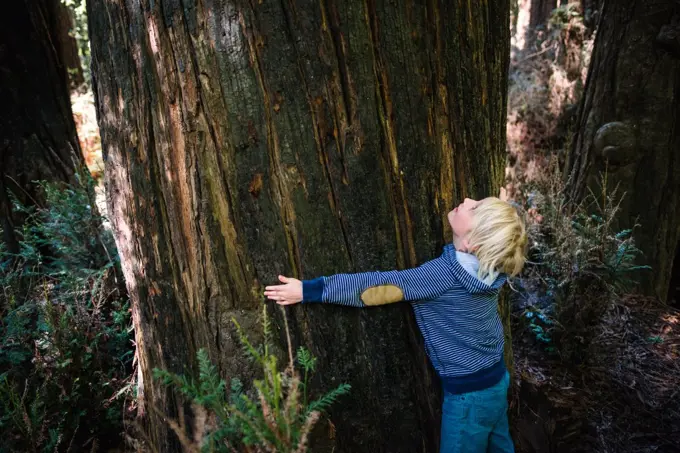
(562, 16)
(655, 339)
(540, 325)
(275, 420)
(308, 363)
(579, 260)
(65, 349)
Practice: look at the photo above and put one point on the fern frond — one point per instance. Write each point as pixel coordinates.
(248, 347)
(266, 331)
(306, 360)
(329, 398)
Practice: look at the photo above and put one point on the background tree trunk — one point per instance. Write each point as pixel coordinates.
(540, 11)
(629, 126)
(38, 138)
(247, 139)
(527, 15)
(68, 46)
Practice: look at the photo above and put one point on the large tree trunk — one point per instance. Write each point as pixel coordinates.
(247, 139)
(629, 126)
(38, 138)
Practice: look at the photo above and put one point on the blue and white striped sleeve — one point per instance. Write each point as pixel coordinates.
(379, 288)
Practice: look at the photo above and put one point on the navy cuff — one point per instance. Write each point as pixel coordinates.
(312, 290)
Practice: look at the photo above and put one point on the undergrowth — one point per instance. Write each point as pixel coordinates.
(275, 418)
(579, 262)
(65, 342)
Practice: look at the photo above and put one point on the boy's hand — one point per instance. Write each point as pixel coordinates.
(287, 294)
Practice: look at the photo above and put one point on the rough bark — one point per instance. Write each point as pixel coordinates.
(37, 133)
(629, 127)
(247, 139)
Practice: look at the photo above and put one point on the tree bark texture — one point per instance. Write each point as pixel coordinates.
(629, 127)
(38, 138)
(243, 140)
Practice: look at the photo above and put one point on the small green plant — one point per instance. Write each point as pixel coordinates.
(65, 343)
(579, 260)
(278, 418)
(562, 16)
(541, 325)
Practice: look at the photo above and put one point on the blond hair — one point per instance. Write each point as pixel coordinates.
(498, 238)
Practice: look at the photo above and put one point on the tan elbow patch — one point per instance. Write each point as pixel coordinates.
(381, 295)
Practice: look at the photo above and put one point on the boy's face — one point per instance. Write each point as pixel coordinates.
(460, 218)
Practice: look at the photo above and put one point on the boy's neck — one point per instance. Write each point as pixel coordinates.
(458, 244)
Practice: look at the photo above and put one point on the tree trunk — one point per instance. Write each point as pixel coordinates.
(248, 139)
(37, 134)
(629, 127)
(68, 47)
(527, 16)
(540, 11)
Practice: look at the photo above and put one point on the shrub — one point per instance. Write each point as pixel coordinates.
(65, 344)
(578, 262)
(278, 418)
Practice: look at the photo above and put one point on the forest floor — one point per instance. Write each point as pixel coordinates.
(624, 399)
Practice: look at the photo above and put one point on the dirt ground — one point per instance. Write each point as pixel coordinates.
(624, 399)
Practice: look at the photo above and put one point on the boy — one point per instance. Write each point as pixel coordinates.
(455, 299)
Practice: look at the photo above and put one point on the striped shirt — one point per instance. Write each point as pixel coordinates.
(456, 312)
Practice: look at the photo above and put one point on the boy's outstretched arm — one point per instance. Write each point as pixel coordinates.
(367, 288)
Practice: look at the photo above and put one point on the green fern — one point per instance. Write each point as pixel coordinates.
(583, 261)
(305, 359)
(248, 348)
(276, 420)
(212, 388)
(266, 331)
(64, 340)
(323, 403)
(308, 364)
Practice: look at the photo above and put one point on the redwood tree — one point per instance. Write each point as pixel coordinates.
(246, 139)
(38, 138)
(629, 128)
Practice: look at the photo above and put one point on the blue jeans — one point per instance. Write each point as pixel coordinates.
(477, 422)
